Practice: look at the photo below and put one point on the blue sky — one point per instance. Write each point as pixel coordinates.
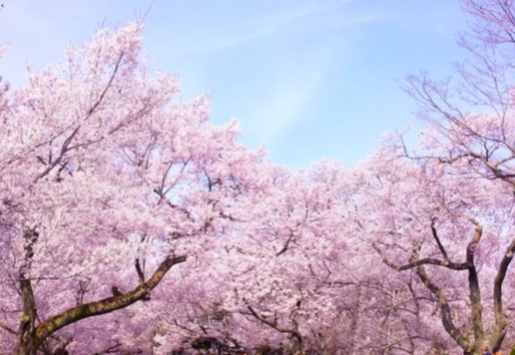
(308, 79)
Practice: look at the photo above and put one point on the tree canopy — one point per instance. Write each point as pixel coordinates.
(131, 224)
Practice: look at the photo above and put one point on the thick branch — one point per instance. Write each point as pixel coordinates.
(501, 321)
(106, 305)
(445, 310)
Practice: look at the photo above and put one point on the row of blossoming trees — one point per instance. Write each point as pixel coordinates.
(130, 224)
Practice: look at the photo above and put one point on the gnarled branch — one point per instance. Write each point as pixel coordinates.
(103, 306)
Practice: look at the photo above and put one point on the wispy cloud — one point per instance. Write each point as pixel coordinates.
(286, 104)
(295, 92)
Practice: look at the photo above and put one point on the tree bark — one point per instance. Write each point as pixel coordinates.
(475, 294)
(501, 321)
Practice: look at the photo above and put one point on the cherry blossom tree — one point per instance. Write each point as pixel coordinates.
(443, 211)
(300, 279)
(105, 185)
(424, 221)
